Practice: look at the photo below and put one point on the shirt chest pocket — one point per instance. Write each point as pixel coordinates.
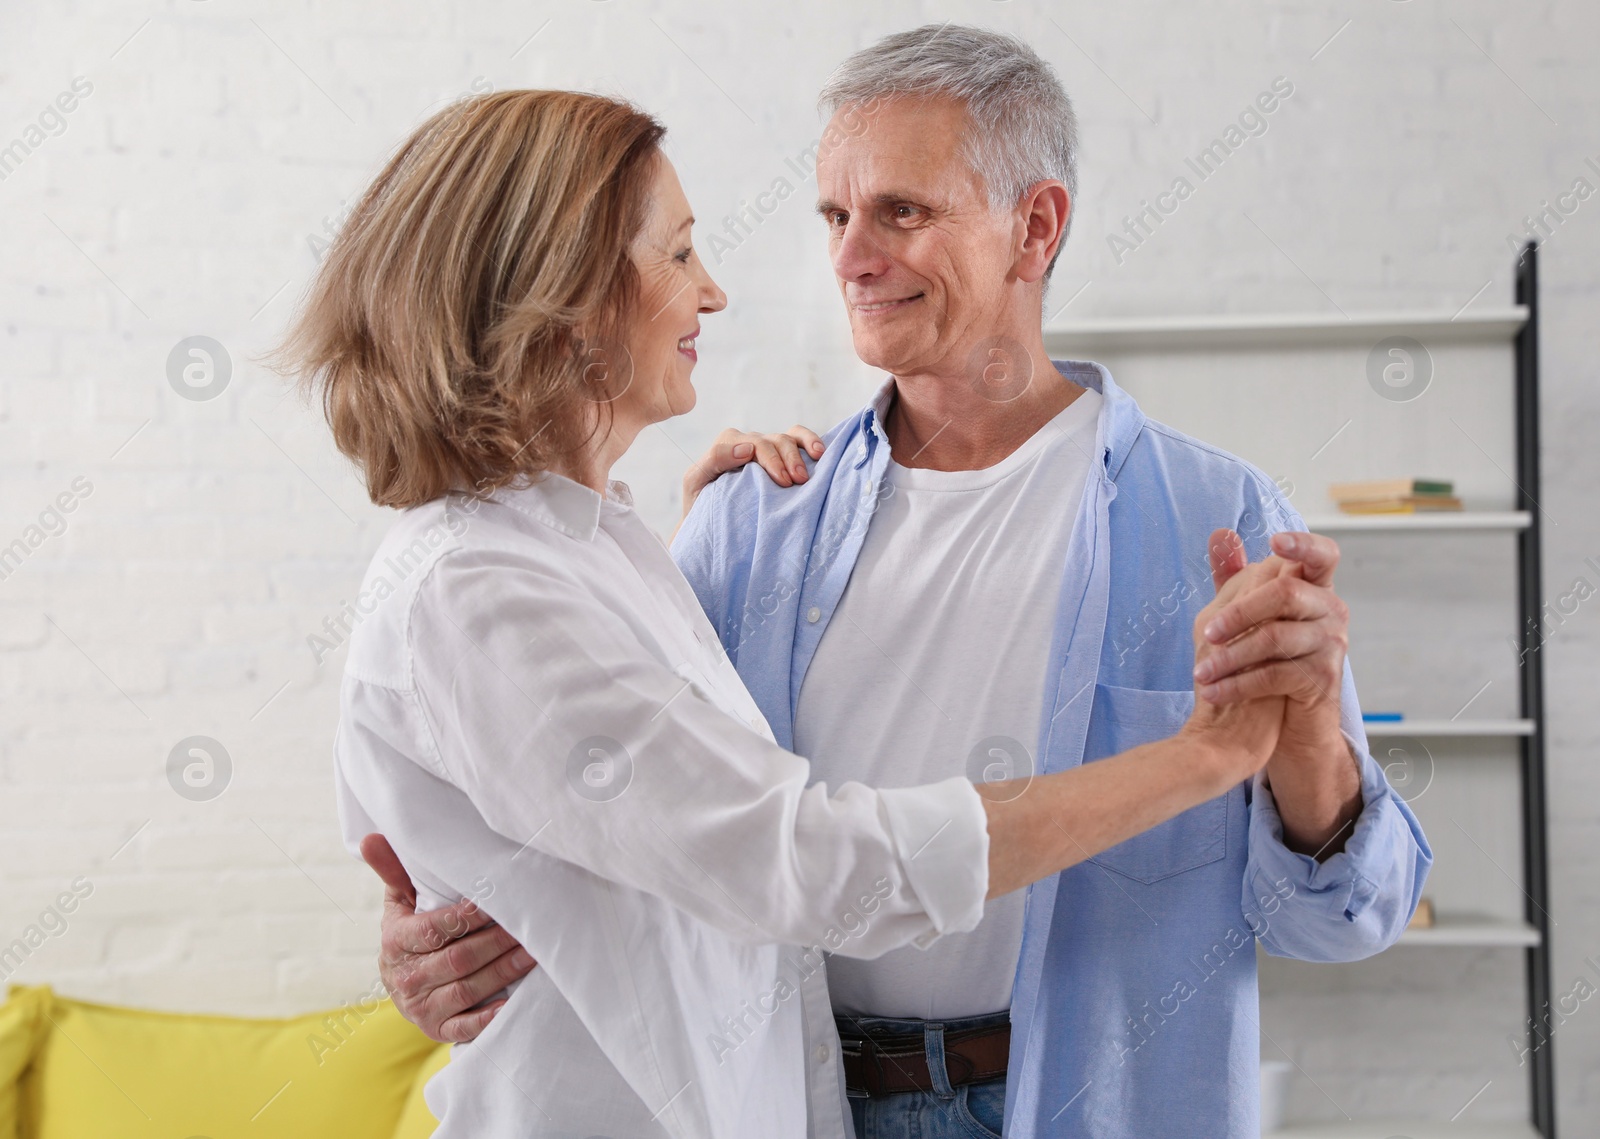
(1124, 718)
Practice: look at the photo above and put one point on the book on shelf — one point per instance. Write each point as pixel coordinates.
(1423, 918)
(1404, 504)
(1394, 496)
(1390, 488)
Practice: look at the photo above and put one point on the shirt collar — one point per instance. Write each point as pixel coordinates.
(565, 505)
(1120, 417)
(1121, 421)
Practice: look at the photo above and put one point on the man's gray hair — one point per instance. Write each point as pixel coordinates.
(1023, 129)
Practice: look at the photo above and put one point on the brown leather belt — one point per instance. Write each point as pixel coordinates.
(888, 1065)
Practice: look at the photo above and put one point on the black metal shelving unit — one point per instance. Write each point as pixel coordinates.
(1535, 862)
(1144, 337)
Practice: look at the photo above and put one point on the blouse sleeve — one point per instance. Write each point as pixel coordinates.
(571, 737)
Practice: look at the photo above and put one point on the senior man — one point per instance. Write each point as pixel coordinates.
(994, 569)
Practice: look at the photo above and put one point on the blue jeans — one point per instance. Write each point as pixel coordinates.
(973, 1111)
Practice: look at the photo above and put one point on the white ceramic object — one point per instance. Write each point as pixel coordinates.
(1275, 1076)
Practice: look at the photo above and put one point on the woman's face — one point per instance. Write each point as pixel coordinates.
(675, 290)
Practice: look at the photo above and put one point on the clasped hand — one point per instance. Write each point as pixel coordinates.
(1270, 652)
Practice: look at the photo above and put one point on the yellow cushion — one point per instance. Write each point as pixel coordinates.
(416, 1121)
(105, 1071)
(20, 1018)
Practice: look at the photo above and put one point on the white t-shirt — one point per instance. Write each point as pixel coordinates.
(933, 666)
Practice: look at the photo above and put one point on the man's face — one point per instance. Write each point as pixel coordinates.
(922, 261)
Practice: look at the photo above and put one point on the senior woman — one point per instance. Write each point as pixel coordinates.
(537, 713)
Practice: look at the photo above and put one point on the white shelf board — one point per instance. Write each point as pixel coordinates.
(1385, 728)
(1434, 520)
(1412, 1129)
(1249, 330)
(1472, 929)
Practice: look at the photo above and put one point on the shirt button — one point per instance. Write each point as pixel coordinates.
(823, 1053)
(813, 614)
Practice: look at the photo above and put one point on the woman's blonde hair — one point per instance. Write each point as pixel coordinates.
(442, 334)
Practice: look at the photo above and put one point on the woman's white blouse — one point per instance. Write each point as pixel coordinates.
(538, 714)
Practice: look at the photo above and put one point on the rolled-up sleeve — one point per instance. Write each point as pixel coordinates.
(941, 834)
(570, 736)
(1356, 902)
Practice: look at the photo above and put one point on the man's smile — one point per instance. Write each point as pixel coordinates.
(872, 308)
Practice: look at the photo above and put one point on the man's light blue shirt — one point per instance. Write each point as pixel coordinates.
(1134, 1009)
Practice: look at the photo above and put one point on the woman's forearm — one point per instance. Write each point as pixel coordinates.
(1040, 826)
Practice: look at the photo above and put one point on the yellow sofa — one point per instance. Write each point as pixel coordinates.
(75, 1070)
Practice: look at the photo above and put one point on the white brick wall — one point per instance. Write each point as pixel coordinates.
(179, 200)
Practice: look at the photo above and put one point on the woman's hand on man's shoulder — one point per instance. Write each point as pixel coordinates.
(780, 454)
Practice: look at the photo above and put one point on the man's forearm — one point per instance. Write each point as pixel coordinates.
(1315, 781)
(1041, 826)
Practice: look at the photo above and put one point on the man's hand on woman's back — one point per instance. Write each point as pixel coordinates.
(440, 966)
